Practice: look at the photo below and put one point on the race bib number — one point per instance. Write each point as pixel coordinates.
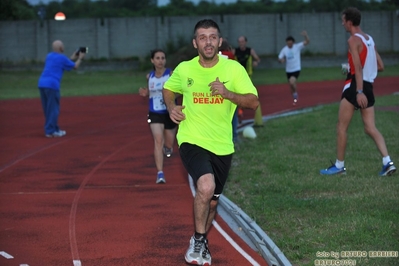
(159, 104)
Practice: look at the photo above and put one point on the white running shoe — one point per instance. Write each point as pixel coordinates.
(206, 254)
(57, 134)
(194, 251)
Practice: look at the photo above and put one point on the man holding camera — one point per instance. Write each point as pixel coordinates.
(49, 85)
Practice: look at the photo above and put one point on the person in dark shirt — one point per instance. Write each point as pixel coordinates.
(246, 56)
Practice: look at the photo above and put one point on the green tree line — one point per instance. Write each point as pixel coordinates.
(22, 10)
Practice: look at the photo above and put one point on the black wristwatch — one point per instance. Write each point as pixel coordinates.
(359, 92)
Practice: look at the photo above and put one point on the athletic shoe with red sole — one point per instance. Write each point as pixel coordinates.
(194, 251)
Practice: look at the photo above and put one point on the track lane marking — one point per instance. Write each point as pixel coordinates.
(6, 255)
(48, 146)
(225, 234)
(74, 207)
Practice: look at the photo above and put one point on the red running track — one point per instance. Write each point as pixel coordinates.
(91, 195)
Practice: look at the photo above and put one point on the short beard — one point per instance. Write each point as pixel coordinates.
(205, 57)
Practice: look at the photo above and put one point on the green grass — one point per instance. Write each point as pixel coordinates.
(23, 84)
(275, 179)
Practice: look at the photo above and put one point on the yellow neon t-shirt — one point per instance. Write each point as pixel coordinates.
(208, 122)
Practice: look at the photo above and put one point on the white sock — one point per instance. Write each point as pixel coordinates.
(160, 172)
(339, 164)
(386, 160)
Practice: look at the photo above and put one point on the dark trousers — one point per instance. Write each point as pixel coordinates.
(51, 108)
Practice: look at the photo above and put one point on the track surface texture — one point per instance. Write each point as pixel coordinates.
(90, 197)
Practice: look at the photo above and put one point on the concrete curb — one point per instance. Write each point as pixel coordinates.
(242, 224)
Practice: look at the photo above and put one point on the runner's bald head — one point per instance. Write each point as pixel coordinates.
(58, 46)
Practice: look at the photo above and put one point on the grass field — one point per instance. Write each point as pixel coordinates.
(304, 212)
(281, 189)
(23, 84)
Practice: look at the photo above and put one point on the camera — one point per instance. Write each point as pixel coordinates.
(84, 50)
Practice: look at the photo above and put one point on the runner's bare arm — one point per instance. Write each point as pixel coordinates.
(306, 36)
(247, 100)
(144, 91)
(355, 46)
(380, 64)
(255, 56)
(175, 111)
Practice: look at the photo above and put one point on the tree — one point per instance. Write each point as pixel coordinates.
(16, 10)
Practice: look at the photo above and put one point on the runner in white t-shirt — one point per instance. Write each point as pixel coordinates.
(291, 56)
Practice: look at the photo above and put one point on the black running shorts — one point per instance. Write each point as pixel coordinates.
(199, 162)
(155, 118)
(351, 92)
(293, 74)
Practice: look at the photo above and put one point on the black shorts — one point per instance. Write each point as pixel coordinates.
(351, 92)
(155, 118)
(293, 74)
(199, 161)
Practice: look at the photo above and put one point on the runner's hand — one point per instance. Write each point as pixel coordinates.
(176, 114)
(217, 88)
(361, 100)
(143, 92)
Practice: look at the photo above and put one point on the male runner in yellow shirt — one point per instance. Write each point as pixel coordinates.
(212, 87)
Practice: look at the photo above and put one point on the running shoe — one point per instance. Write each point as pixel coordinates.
(333, 170)
(195, 252)
(388, 169)
(160, 178)
(168, 152)
(206, 254)
(295, 101)
(57, 134)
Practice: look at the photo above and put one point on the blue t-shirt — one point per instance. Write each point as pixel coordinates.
(54, 67)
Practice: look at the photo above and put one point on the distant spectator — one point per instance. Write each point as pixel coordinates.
(49, 86)
(246, 56)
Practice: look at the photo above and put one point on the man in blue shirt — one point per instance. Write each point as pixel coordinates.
(49, 85)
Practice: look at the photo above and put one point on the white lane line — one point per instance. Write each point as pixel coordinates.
(74, 207)
(29, 154)
(6, 255)
(225, 235)
(234, 244)
(23, 264)
(45, 147)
